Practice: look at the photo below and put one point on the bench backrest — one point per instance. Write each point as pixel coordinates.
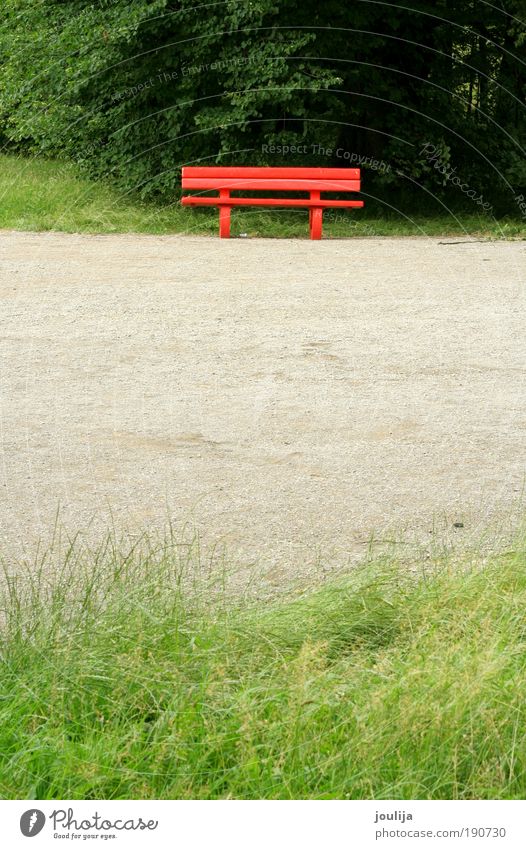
(274, 179)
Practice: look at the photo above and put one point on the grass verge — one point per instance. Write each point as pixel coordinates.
(36, 194)
(123, 679)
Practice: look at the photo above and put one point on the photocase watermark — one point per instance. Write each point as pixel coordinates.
(134, 90)
(163, 77)
(223, 64)
(435, 155)
(351, 157)
(66, 825)
(96, 823)
(32, 822)
(520, 200)
(91, 148)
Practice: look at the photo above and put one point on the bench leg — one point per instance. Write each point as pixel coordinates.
(316, 222)
(224, 215)
(224, 222)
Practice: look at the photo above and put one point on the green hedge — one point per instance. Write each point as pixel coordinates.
(427, 100)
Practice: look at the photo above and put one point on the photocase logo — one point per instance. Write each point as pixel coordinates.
(32, 822)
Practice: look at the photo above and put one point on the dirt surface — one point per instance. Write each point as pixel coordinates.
(287, 397)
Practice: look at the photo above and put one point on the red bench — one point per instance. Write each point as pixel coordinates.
(311, 180)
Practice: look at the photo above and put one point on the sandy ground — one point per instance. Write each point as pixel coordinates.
(290, 398)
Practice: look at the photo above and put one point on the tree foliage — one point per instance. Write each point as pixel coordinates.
(420, 93)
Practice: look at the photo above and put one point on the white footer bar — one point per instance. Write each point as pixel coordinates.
(264, 825)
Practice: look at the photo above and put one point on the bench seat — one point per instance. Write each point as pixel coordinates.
(312, 180)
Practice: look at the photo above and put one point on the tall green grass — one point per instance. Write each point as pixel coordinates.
(36, 194)
(135, 675)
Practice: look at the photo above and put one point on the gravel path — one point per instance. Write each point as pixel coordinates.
(288, 397)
